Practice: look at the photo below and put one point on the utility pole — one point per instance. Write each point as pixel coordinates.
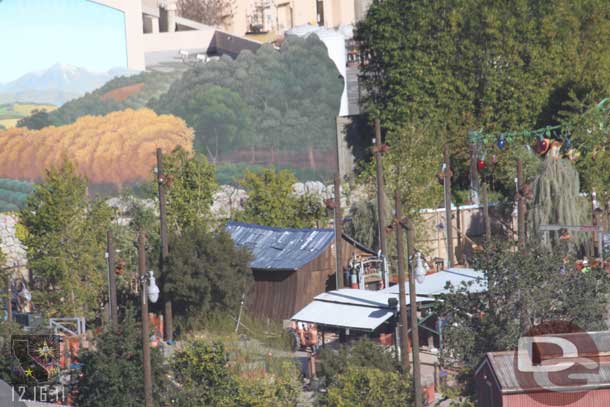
(447, 186)
(402, 300)
(338, 232)
(145, 330)
(520, 205)
(486, 212)
(169, 328)
(9, 293)
(112, 284)
(380, 194)
(412, 299)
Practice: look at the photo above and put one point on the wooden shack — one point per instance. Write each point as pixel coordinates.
(290, 266)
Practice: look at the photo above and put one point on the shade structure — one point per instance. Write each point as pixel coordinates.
(436, 283)
(362, 310)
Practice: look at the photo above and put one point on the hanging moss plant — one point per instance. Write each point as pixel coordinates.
(556, 200)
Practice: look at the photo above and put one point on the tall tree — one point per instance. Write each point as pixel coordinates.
(190, 183)
(65, 243)
(206, 272)
(272, 202)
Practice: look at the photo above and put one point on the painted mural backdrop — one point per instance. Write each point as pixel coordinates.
(273, 107)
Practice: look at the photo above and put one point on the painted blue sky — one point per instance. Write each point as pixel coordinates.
(36, 34)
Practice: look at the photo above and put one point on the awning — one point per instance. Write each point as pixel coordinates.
(435, 283)
(363, 310)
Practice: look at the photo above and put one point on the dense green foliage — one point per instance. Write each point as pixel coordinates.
(525, 288)
(93, 103)
(364, 387)
(13, 194)
(203, 371)
(112, 374)
(206, 272)
(190, 184)
(363, 354)
(469, 64)
(66, 235)
(271, 201)
(272, 100)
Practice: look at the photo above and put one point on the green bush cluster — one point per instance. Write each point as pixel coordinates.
(13, 194)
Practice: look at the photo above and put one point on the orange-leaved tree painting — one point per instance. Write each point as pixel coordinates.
(116, 149)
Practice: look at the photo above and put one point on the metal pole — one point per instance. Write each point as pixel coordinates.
(413, 306)
(447, 184)
(145, 330)
(112, 282)
(380, 194)
(594, 234)
(520, 205)
(338, 233)
(474, 175)
(486, 212)
(169, 329)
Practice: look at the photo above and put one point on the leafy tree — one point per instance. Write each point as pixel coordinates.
(201, 369)
(472, 64)
(220, 118)
(365, 387)
(362, 354)
(206, 272)
(524, 288)
(190, 186)
(37, 120)
(272, 202)
(112, 374)
(292, 104)
(66, 234)
(115, 149)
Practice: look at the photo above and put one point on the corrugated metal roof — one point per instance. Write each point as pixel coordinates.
(511, 380)
(350, 308)
(435, 283)
(280, 248)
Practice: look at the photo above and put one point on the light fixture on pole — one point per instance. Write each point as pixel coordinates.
(152, 289)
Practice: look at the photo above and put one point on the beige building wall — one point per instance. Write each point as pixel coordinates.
(281, 15)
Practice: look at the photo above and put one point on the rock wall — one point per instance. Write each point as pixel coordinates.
(13, 249)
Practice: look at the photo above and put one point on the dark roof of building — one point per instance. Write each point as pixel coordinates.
(280, 248)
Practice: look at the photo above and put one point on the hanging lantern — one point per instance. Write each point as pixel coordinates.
(481, 164)
(501, 142)
(494, 159)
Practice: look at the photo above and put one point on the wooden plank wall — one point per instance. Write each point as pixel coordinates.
(278, 295)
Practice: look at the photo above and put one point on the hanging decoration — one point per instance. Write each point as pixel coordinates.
(481, 164)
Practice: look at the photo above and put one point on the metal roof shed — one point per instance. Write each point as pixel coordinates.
(290, 266)
(436, 283)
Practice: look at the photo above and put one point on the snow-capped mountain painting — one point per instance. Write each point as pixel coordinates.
(56, 85)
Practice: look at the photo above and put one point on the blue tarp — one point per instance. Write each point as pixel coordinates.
(280, 248)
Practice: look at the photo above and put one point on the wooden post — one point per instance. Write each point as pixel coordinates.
(338, 232)
(380, 189)
(520, 205)
(413, 306)
(402, 300)
(112, 283)
(169, 325)
(145, 330)
(486, 212)
(9, 293)
(447, 186)
(594, 222)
